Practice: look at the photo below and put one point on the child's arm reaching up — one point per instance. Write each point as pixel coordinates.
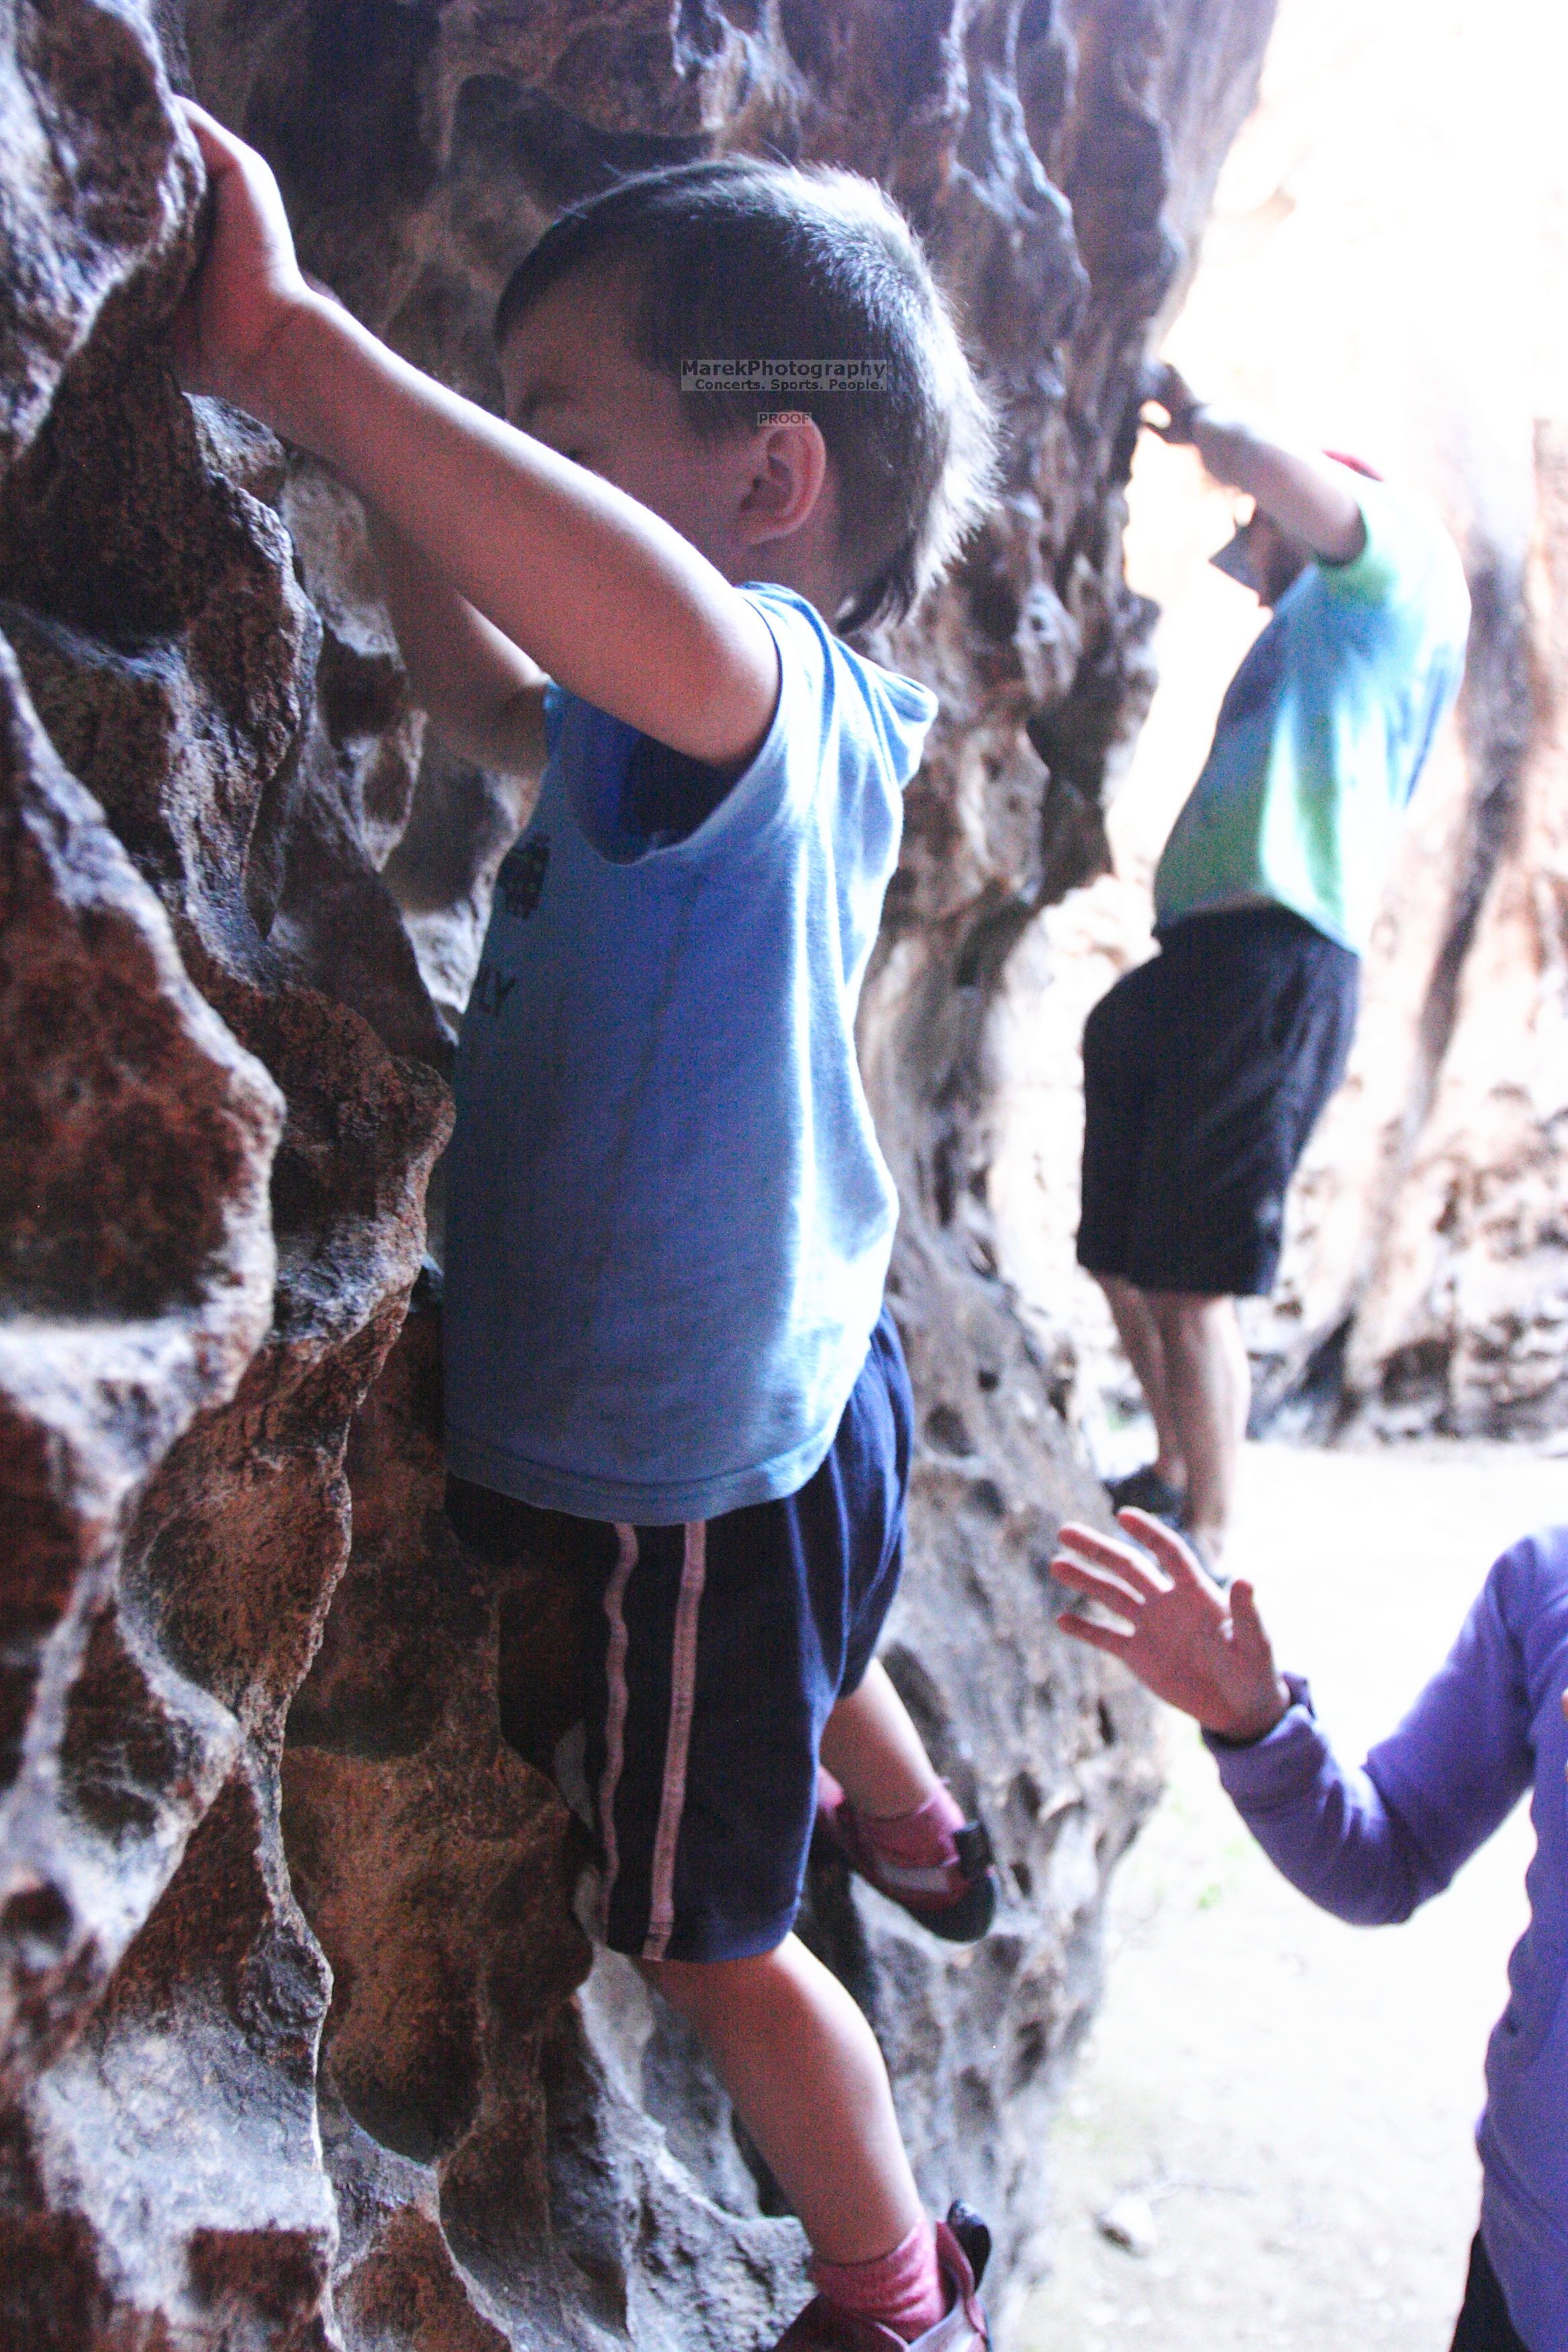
(600, 591)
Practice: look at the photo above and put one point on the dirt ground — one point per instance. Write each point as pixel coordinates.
(1289, 2102)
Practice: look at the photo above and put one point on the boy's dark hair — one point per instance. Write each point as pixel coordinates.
(738, 261)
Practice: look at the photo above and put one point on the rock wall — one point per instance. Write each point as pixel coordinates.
(1462, 1320)
(297, 2046)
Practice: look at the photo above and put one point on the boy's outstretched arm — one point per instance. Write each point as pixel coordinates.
(600, 593)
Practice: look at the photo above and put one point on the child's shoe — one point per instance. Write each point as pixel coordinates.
(934, 1865)
(962, 2250)
(1145, 1490)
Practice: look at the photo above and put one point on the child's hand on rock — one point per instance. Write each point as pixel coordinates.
(247, 288)
(1165, 387)
(1200, 1649)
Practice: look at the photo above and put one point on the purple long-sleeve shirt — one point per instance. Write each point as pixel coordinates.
(1370, 1845)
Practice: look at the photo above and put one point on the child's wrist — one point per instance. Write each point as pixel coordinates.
(1250, 1725)
(293, 363)
(1225, 444)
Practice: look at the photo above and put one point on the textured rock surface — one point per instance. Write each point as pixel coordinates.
(1464, 1320)
(292, 2050)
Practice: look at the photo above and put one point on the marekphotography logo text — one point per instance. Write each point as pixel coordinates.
(784, 375)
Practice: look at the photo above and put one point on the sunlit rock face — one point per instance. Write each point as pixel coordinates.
(299, 2045)
(1426, 1269)
(1465, 1320)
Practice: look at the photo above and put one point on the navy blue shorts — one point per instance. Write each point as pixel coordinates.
(718, 1651)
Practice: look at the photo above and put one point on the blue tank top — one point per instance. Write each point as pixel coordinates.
(669, 1219)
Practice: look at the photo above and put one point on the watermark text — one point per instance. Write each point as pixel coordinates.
(781, 376)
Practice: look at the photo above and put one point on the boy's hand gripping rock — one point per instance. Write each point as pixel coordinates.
(247, 288)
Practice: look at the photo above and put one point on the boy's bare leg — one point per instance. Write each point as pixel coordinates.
(809, 2081)
(1138, 1328)
(1210, 1386)
(874, 1752)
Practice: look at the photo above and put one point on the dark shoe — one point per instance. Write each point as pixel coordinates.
(1145, 1490)
(955, 1900)
(962, 2249)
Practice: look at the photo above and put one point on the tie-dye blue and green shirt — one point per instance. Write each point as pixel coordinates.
(1323, 731)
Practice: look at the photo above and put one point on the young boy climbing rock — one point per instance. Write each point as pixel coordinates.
(740, 419)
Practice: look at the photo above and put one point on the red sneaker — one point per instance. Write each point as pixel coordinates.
(954, 1899)
(962, 2249)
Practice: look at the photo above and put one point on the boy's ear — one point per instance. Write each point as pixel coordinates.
(788, 477)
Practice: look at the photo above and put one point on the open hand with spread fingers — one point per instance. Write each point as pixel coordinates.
(1198, 1648)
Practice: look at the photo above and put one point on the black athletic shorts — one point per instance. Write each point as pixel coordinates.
(1203, 1073)
(716, 1653)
